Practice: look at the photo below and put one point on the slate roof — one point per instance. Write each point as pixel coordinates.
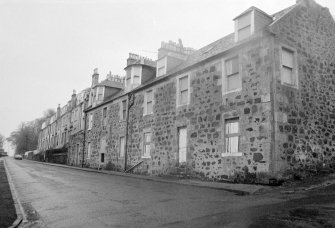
(277, 16)
(110, 83)
(250, 9)
(208, 51)
(222, 44)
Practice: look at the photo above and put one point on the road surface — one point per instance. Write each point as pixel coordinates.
(62, 197)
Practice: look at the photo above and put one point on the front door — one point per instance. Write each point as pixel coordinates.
(182, 144)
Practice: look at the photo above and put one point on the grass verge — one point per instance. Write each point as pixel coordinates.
(7, 209)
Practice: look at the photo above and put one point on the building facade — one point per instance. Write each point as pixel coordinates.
(256, 104)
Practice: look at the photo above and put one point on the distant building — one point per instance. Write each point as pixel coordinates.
(253, 105)
(2, 151)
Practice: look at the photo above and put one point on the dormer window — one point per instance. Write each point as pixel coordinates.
(249, 22)
(136, 73)
(100, 93)
(161, 66)
(137, 79)
(244, 26)
(128, 81)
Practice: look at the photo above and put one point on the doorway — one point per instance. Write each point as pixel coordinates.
(182, 145)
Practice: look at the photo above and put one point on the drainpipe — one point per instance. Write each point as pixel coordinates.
(273, 167)
(130, 104)
(84, 140)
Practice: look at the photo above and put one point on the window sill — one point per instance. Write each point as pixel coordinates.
(232, 91)
(231, 154)
(148, 114)
(182, 105)
(146, 157)
(290, 85)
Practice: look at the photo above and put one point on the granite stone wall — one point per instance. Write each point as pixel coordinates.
(75, 154)
(305, 116)
(204, 118)
(280, 127)
(104, 137)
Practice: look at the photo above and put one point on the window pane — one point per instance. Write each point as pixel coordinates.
(161, 71)
(184, 97)
(232, 127)
(104, 112)
(147, 137)
(232, 144)
(287, 75)
(137, 71)
(147, 151)
(231, 66)
(234, 82)
(124, 105)
(149, 107)
(287, 58)
(183, 83)
(244, 20)
(122, 146)
(90, 120)
(136, 79)
(124, 114)
(149, 95)
(244, 33)
(89, 150)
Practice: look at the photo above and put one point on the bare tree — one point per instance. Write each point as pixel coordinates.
(25, 138)
(2, 140)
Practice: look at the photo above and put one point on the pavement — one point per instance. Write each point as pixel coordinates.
(59, 196)
(242, 189)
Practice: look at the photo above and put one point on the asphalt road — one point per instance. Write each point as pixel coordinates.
(61, 197)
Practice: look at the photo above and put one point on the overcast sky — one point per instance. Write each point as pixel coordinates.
(50, 47)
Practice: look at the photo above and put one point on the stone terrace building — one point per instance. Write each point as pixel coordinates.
(256, 104)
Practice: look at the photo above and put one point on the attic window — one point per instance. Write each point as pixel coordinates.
(161, 66)
(243, 26)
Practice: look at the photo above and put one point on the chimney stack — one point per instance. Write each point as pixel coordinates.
(95, 77)
(58, 111)
(73, 99)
